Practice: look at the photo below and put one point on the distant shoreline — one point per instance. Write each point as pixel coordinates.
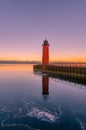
(19, 62)
(38, 62)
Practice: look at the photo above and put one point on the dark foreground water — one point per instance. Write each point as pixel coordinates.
(31, 101)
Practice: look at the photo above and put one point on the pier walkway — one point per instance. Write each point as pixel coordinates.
(75, 72)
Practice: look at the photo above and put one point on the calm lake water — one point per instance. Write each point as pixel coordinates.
(32, 101)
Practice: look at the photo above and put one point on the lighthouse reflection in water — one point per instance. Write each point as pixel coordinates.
(36, 101)
(45, 85)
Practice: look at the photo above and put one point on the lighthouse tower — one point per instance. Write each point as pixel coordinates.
(45, 55)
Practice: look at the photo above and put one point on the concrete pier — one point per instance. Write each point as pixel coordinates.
(75, 72)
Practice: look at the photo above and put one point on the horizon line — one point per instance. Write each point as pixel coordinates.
(28, 61)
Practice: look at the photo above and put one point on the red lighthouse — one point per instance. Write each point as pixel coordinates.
(45, 56)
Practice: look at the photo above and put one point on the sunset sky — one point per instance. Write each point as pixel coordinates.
(24, 25)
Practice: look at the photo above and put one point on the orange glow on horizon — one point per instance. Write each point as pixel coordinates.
(21, 58)
(39, 58)
(69, 59)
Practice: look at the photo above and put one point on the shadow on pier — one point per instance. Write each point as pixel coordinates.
(70, 72)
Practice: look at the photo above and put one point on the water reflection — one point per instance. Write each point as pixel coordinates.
(45, 85)
(23, 103)
(16, 67)
(45, 82)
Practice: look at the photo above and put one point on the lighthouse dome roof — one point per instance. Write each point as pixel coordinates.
(46, 42)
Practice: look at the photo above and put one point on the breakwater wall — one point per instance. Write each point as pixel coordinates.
(71, 72)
